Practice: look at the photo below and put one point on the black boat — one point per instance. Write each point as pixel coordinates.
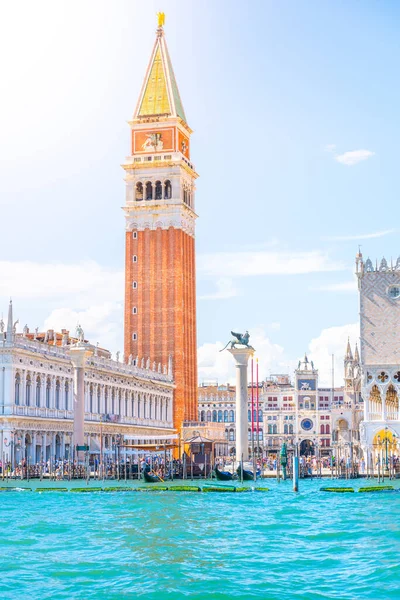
(247, 475)
(223, 475)
(150, 478)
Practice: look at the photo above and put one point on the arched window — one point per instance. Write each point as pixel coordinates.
(17, 388)
(167, 190)
(113, 401)
(269, 429)
(66, 389)
(275, 429)
(150, 408)
(58, 393)
(249, 415)
(290, 428)
(322, 429)
(306, 405)
(214, 416)
(249, 435)
(48, 388)
(139, 191)
(38, 383)
(149, 191)
(184, 195)
(145, 415)
(133, 405)
(220, 416)
(98, 400)
(225, 416)
(126, 404)
(139, 406)
(231, 435)
(285, 428)
(260, 435)
(260, 416)
(209, 415)
(158, 190)
(119, 403)
(202, 415)
(28, 390)
(231, 416)
(91, 398)
(327, 429)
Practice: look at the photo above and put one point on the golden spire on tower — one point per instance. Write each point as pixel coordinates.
(161, 19)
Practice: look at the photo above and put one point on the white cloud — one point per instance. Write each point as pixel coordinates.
(220, 366)
(332, 340)
(225, 289)
(82, 281)
(353, 157)
(60, 295)
(101, 323)
(330, 148)
(361, 236)
(242, 264)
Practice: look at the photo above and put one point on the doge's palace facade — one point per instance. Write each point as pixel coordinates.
(37, 397)
(379, 289)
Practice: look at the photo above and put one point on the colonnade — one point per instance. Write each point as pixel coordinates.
(35, 389)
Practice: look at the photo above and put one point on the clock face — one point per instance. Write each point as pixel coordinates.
(307, 424)
(394, 291)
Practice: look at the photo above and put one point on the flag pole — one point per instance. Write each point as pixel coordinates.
(257, 410)
(252, 408)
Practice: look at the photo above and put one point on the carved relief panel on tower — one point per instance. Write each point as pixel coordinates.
(153, 140)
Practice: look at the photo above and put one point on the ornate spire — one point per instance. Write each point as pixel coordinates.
(160, 94)
(349, 354)
(356, 355)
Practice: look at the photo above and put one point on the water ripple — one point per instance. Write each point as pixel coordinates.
(200, 546)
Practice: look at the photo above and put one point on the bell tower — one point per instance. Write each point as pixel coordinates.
(160, 280)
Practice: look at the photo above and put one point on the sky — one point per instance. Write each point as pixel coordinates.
(294, 107)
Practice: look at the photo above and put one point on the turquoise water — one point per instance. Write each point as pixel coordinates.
(272, 545)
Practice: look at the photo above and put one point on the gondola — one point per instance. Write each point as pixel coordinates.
(247, 475)
(223, 475)
(150, 478)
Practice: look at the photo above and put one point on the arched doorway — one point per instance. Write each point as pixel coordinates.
(307, 448)
(385, 444)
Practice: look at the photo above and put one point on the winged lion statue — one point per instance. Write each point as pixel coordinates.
(241, 339)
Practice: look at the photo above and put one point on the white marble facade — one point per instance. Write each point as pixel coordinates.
(37, 399)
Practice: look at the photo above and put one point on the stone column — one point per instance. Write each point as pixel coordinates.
(78, 354)
(33, 448)
(241, 356)
(62, 447)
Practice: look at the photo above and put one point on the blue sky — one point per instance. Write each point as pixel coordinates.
(294, 107)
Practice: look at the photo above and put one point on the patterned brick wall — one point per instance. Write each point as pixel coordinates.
(379, 319)
(165, 299)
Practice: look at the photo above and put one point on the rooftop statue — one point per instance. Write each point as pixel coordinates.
(79, 333)
(239, 339)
